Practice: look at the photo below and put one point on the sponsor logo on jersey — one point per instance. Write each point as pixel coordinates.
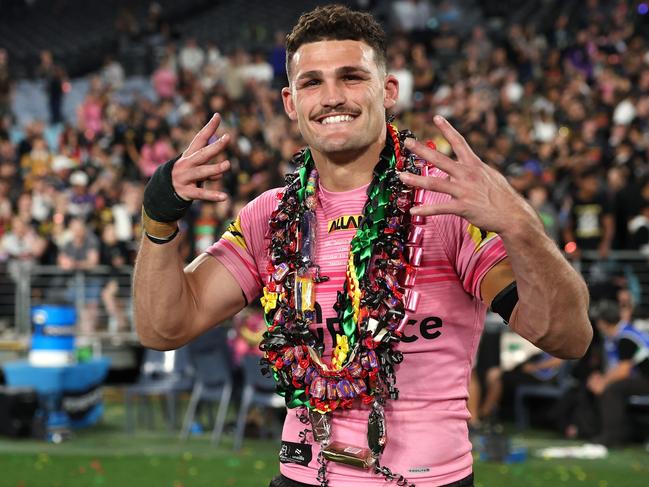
(344, 222)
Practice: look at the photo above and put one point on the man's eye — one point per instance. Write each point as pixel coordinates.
(352, 77)
(311, 82)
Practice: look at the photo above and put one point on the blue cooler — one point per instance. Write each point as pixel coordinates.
(53, 338)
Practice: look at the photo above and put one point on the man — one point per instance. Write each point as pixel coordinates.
(319, 226)
(627, 373)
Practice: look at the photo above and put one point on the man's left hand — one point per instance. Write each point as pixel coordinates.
(479, 193)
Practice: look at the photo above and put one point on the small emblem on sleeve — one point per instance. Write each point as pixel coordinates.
(234, 235)
(480, 237)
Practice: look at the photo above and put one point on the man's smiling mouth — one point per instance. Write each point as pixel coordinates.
(331, 119)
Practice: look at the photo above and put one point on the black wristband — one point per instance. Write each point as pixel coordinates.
(505, 301)
(160, 241)
(161, 202)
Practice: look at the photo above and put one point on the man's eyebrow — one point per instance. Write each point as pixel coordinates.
(342, 70)
(310, 74)
(352, 69)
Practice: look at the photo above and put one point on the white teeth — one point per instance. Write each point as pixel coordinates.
(336, 119)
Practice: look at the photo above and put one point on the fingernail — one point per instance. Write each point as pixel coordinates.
(438, 119)
(409, 142)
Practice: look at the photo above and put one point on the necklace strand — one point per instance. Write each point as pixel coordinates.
(372, 307)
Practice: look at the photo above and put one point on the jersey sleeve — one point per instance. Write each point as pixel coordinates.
(471, 250)
(626, 349)
(243, 247)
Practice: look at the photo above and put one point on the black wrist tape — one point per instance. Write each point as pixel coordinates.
(160, 241)
(161, 202)
(505, 301)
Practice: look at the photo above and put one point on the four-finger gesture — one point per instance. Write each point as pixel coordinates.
(193, 167)
(479, 193)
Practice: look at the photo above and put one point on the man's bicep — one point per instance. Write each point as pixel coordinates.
(495, 280)
(218, 295)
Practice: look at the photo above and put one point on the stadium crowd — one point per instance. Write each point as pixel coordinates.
(563, 112)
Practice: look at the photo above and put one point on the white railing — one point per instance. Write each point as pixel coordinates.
(102, 296)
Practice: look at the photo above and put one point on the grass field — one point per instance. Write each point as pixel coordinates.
(105, 456)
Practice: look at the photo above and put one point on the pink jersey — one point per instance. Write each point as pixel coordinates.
(427, 426)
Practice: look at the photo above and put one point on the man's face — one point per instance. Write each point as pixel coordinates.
(338, 95)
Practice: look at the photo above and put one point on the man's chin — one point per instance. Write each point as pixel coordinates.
(336, 145)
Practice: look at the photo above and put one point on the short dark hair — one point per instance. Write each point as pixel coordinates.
(608, 311)
(337, 23)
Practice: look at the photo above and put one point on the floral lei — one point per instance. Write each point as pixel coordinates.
(377, 293)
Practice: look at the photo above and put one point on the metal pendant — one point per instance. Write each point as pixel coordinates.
(321, 426)
(376, 430)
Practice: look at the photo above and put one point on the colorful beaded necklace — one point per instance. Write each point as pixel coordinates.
(372, 307)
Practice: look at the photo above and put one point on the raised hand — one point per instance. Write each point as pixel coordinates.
(193, 167)
(479, 193)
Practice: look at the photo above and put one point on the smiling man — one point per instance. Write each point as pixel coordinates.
(376, 264)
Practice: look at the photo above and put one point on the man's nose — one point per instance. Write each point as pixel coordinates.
(333, 94)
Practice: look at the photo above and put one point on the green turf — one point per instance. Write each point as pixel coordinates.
(106, 456)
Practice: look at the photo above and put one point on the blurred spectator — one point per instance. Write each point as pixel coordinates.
(248, 329)
(127, 27)
(112, 74)
(155, 150)
(541, 368)
(627, 373)
(590, 225)
(36, 163)
(410, 15)
(115, 255)
(80, 252)
(639, 229)
(81, 201)
(54, 77)
(164, 79)
(90, 111)
(399, 69)
(6, 210)
(6, 85)
(538, 196)
(22, 247)
(191, 57)
(277, 59)
(258, 69)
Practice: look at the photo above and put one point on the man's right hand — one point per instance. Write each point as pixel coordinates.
(193, 167)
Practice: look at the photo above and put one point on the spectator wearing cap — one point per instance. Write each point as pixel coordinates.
(627, 373)
(82, 202)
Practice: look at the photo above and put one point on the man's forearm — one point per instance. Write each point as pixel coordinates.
(552, 311)
(161, 295)
(620, 372)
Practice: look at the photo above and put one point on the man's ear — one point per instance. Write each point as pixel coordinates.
(289, 105)
(391, 87)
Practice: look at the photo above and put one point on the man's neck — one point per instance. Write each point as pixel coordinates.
(345, 171)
